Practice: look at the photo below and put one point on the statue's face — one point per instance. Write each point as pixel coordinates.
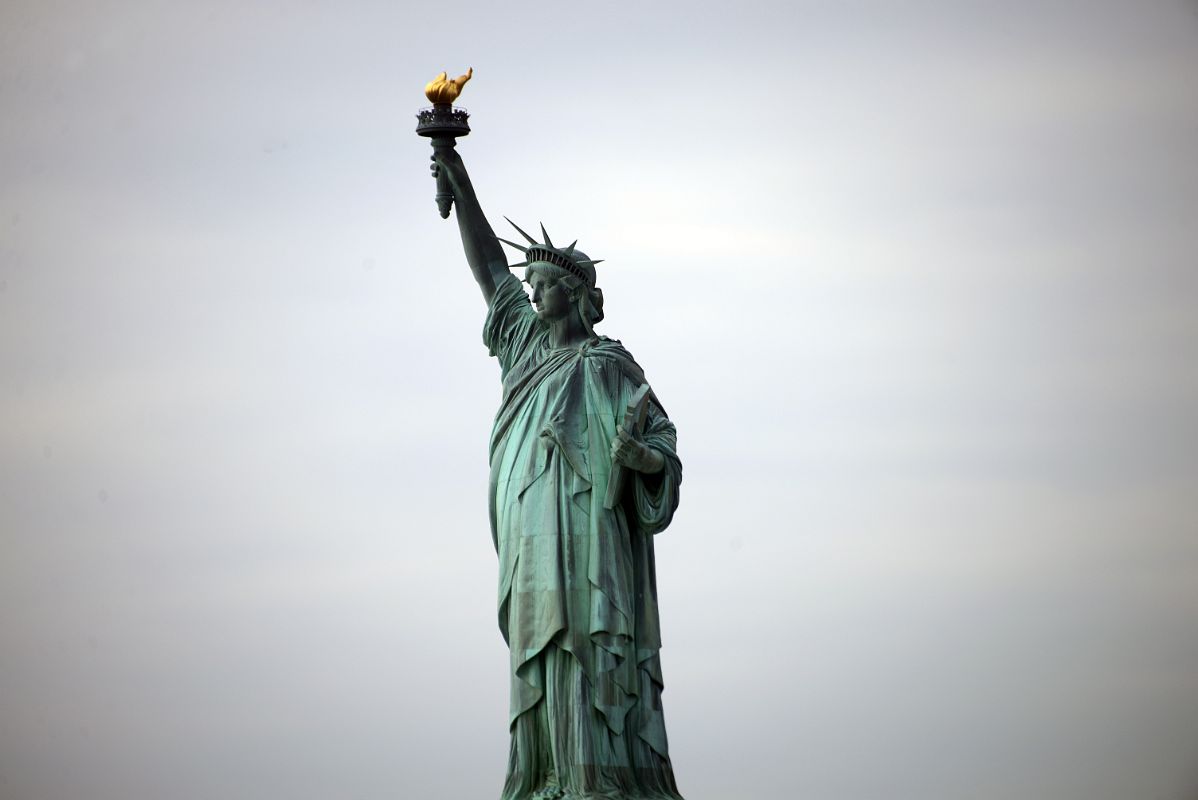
(550, 298)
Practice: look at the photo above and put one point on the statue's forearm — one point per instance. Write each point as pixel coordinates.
(483, 253)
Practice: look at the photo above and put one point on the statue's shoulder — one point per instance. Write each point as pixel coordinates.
(611, 348)
(614, 351)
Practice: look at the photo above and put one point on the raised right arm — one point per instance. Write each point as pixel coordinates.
(483, 252)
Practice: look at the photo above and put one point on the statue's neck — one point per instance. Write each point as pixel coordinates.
(567, 332)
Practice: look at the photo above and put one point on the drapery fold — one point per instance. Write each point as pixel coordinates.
(577, 584)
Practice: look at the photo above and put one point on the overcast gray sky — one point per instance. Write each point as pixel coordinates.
(918, 286)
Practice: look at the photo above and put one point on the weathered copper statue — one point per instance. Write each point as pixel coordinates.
(584, 473)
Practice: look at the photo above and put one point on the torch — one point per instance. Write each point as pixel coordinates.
(442, 124)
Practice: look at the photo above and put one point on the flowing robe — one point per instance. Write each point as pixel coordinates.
(577, 585)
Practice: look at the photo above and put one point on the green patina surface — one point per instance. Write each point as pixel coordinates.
(577, 588)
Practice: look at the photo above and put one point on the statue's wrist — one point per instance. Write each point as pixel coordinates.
(654, 461)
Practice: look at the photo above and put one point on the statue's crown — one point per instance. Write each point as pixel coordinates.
(566, 258)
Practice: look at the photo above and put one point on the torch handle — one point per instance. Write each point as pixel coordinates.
(444, 189)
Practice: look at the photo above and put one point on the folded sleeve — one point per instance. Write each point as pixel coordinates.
(655, 497)
(512, 325)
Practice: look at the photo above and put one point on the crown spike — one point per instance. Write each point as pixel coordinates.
(545, 233)
(521, 264)
(591, 263)
(519, 247)
(570, 250)
(522, 233)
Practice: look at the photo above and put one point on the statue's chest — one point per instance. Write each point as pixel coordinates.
(545, 372)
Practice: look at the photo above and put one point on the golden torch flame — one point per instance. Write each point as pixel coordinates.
(442, 90)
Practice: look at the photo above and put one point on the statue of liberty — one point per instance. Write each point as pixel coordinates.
(584, 473)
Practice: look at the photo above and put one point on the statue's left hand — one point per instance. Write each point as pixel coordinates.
(634, 454)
